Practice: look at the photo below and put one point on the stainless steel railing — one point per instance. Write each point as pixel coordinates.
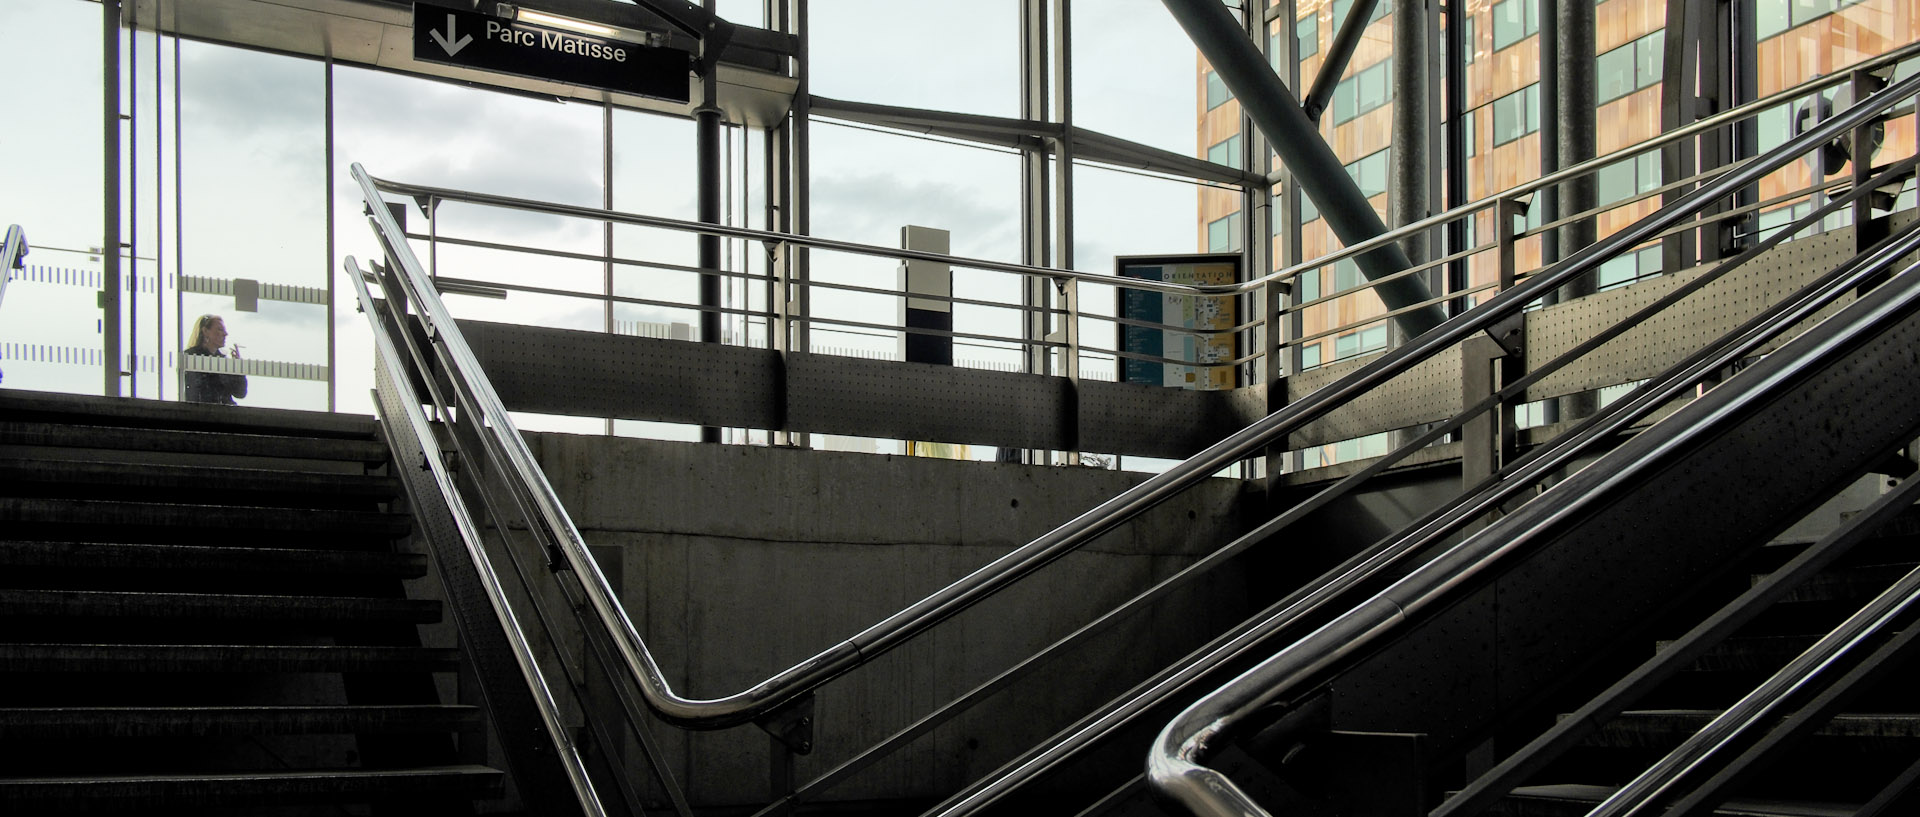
(1176, 764)
(388, 354)
(1392, 554)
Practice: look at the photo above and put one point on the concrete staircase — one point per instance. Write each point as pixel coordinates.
(201, 608)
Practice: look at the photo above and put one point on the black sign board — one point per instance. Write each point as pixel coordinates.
(472, 40)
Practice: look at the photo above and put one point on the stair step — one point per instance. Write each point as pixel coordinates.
(222, 443)
(55, 723)
(131, 412)
(1664, 728)
(249, 788)
(1754, 654)
(1855, 584)
(222, 658)
(190, 484)
(100, 556)
(98, 520)
(1569, 800)
(213, 606)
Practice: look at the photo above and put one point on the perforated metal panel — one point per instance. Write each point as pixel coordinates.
(594, 374)
(1430, 392)
(1160, 422)
(1673, 334)
(922, 401)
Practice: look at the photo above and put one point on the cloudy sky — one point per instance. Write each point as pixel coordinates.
(254, 204)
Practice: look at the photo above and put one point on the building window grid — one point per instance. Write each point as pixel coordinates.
(1306, 32)
(1773, 17)
(1513, 21)
(1226, 152)
(1223, 234)
(1217, 93)
(1364, 90)
(1630, 67)
(1516, 114)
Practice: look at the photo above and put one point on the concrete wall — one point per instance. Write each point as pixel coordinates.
(737, 562)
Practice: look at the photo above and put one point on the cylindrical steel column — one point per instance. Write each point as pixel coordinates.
(110, 195)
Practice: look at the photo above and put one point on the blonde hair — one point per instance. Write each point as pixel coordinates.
(200, 330)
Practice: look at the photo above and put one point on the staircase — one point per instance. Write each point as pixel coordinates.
(201, 607)
(1843, 764)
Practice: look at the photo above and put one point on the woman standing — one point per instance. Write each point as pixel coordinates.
(209, 334)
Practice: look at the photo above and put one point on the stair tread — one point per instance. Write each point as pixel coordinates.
(208, 480)
(141, 556)
(96, 410)
(174, 441)
(1589, 794)
(87, 514)
(1851, 724)
(217, 721)
(115, 603)
(251, 787)
(215, 658)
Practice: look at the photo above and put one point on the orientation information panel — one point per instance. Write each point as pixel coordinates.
(487, 43)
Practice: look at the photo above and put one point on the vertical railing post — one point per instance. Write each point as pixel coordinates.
(1489, 361)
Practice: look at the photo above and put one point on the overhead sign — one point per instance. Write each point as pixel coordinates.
(481, 41)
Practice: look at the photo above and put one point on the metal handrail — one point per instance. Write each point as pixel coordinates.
(1174, 765)
(1675, 656)
(1444, 521)
(788, 684)
(567, 751)
(1439, 219)
(11, 252)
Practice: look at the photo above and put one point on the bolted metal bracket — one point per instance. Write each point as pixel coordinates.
(792, 725)
(1511, 334)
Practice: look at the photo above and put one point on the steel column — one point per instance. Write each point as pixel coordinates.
(706, 121)
(1339, 53)
(1275, 111)
(110, 195)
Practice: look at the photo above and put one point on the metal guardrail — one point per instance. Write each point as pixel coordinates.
(387, 352)
(1175, 766)
(788, 685)
(1391, 554)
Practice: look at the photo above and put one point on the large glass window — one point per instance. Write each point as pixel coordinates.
(1628, 178)
(1363, 91)
(1217, 93)
(888, 52)
(1133, 71)
(1370, 172)
(1514, 20)
(1307, 35)
(1226, 152)
(1516, 115)
(1223, 234)
(1630, 67)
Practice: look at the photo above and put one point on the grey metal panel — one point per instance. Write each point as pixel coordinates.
(922, 401)
(1127, 418)
(1664, 339)
(1428, 393)
(595, 374)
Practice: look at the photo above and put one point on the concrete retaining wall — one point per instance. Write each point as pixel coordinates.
(737, 562)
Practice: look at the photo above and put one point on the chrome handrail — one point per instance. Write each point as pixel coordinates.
(788, 684)
(1720, 119)
(1175, 764)
(1431, 529)
(523, 656)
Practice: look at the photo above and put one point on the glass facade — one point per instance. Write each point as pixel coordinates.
(234, 173)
